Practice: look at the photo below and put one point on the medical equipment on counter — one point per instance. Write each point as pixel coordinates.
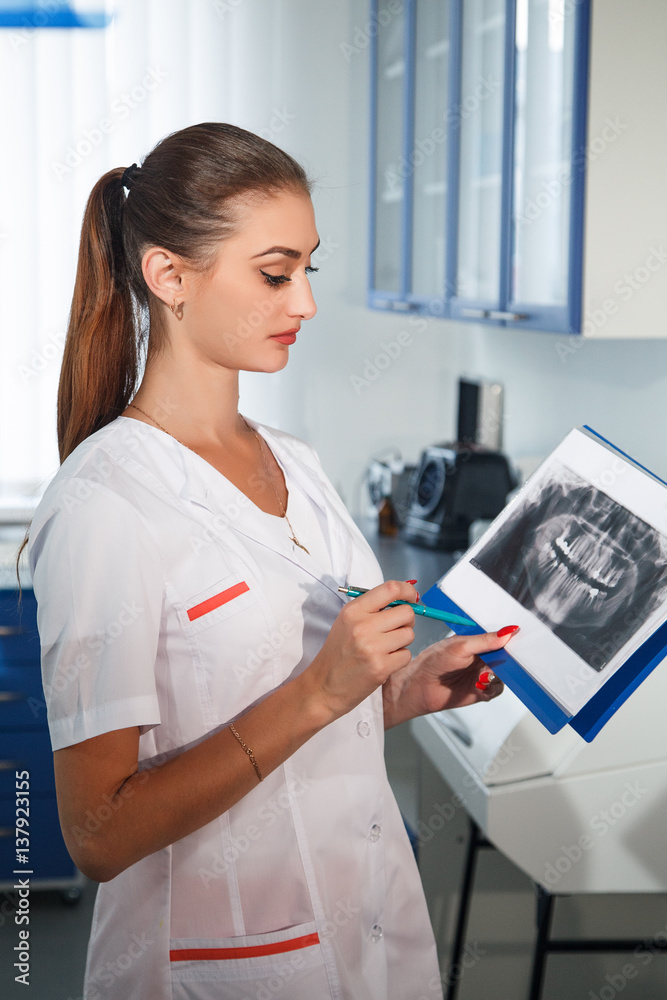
(574, 816)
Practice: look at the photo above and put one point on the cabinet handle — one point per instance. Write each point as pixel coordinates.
(10, 630)
(9, 765)
(12, 696)
(476, 313)
(396, 304)
(499, 314)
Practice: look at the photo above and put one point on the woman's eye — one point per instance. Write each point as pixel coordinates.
(280, 279)
(274, 279)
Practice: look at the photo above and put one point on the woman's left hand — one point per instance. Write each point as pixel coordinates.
(448, 674)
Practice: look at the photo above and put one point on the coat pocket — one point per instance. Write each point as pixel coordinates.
(290, 961)
(217, 603)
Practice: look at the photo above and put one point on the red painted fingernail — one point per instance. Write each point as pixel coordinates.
(411, 581)
(485, 677)
(482, 687)
(508, 630)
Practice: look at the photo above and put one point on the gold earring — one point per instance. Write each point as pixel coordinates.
(175, 307)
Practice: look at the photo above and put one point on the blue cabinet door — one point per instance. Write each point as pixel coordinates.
(478, 158)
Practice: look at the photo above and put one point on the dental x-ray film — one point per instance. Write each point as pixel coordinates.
(578, 559)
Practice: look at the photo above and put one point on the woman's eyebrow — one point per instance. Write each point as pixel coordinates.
(295, 254)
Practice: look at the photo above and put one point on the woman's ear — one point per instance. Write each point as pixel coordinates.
(164, 273)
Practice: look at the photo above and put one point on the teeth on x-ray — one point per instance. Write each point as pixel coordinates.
(581, 562)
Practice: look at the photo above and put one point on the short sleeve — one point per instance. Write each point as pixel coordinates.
(99, 586)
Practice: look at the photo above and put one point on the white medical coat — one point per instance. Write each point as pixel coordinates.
(169, 601)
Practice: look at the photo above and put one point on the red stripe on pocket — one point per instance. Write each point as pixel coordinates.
(249, 951)
(211, 603)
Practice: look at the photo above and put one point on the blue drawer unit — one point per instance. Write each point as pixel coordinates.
(21, 697)
(26, 751)
(25, 746)
(19, 639)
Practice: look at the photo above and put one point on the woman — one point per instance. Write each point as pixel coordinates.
(216, 708)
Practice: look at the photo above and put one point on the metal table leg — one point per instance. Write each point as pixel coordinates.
(475, 841)
(544, 914)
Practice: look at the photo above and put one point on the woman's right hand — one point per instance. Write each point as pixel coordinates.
(367, 643)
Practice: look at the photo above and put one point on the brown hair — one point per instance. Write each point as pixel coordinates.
(178, 200)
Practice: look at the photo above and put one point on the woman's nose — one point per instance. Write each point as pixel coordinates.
(301, 302)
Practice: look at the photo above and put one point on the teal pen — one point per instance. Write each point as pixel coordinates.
(419, 609)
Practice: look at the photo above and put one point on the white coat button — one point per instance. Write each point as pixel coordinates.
(375, 832)
(376, 933)
(363, 729)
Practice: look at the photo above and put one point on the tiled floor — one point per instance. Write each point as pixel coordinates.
(58, 938)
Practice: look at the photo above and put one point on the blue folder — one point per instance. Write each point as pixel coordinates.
(604, 703)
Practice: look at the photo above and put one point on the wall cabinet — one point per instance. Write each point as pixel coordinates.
(517, 164)
(478, 159)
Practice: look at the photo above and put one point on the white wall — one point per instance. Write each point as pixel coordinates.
(552, 382)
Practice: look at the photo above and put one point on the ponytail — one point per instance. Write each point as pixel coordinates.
(178, 201)
(100, 361)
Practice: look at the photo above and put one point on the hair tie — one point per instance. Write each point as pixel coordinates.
(128, 176)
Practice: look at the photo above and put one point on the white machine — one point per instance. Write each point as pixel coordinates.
(576, 817)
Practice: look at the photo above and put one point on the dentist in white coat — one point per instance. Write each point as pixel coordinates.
(216, 707)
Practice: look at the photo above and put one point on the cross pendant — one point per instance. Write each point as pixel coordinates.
(294, 539)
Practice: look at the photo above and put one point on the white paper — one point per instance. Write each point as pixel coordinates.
(578, 560)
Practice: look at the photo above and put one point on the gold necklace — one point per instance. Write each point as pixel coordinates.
(283, 511)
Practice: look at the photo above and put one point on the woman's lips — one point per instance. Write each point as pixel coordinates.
(288, 337)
